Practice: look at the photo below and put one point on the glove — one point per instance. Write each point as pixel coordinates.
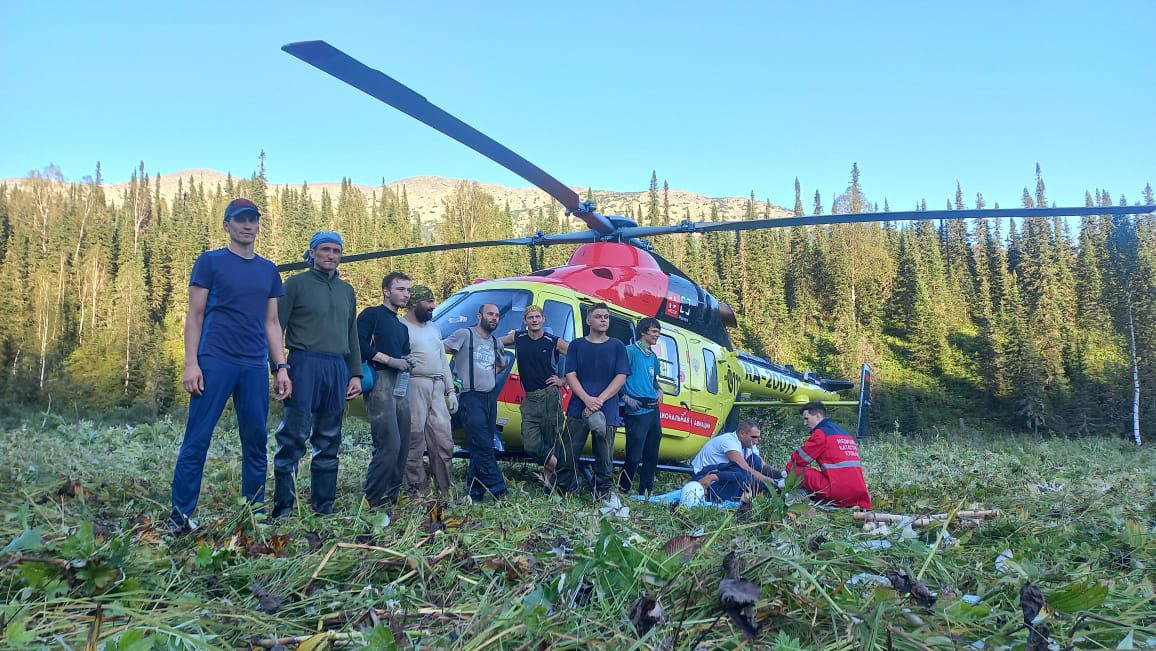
(778, 478)
(631, 403)
(452, 401)
(398, 364)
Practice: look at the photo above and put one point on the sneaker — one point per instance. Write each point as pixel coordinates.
(181, 525)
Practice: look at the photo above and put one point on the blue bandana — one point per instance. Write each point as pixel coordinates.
(319, 238)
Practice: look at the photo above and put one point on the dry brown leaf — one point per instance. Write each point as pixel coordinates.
(645, 613)
(738, 598)
(314, 540)
(268, 601)
(903, 583)
(1031, 600)
(687, 546)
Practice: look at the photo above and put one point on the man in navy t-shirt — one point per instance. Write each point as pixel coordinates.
(596, 368)
(231, 333)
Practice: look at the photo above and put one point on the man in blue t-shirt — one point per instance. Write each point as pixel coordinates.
(642, 398)
(596, 368)
(231, 333)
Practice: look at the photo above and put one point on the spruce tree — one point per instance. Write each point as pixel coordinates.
(652, 209)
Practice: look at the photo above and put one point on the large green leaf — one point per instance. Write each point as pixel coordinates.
(1078, 596)
(1134, 533)
(28, 539)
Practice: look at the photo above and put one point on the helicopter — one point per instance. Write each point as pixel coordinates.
(705, 380)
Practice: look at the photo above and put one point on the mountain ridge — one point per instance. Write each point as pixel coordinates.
(426, 193)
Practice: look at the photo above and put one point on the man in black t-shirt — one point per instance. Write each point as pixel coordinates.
(385, 345)
(537, 354)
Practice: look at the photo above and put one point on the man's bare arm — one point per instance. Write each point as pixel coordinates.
(193, 381)
(737, 458)
(282, 386)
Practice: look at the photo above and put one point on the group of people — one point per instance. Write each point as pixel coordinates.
(241, 318)
(729, 464)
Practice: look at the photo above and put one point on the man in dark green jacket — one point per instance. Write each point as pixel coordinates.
(319, 315)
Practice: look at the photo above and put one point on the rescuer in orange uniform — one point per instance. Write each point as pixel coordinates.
(838, 477)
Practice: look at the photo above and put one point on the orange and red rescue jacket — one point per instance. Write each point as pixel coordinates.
(839, 476)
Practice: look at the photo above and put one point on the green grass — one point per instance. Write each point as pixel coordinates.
(82, 506)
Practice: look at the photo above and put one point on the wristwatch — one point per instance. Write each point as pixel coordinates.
(281, 366)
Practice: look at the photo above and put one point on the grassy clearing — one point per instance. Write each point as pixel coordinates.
(86, 562)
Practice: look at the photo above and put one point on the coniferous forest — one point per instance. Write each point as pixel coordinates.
(1014, 325)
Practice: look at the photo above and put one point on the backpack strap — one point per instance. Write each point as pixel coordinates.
(471, 359)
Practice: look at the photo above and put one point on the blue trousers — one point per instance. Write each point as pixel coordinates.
(643, 434)
(479, 417)
(312, 414)
(732, 480)
(249, 388)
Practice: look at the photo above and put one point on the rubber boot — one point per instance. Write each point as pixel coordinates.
(284, 495)
(324, 491)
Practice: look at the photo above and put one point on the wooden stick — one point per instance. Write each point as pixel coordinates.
(910, 640)
(317, 572)
(332, 636)
(871, 516)
(962, 523)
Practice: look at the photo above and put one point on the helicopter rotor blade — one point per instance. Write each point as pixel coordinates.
(817, 220)
(379, 85)
(579, 237)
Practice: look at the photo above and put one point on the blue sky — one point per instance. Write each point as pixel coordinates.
(721, 98)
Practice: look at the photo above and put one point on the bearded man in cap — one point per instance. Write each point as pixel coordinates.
(432, 397)
(231, 330)
(318, 314)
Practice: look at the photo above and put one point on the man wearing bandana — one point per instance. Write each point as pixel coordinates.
(318, 314)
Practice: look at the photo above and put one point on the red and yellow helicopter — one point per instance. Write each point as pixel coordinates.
(705, 381)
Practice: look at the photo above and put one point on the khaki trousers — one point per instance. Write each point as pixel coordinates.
(429, 429)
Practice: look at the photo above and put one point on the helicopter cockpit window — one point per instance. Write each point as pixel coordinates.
(711, 364)
(457, 313)
(620, 327)
(668, 371)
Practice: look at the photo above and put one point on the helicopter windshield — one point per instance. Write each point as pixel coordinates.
(461, 310)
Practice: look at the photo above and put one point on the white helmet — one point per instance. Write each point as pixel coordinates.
(693, 494)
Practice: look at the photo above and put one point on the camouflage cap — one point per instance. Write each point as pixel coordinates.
(420, 293)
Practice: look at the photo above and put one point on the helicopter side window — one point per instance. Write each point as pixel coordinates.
(711, 363)
(559, 319)
(463, 312)
(560, 323)
(668, 372)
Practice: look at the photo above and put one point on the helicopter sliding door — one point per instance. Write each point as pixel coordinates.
(699, 400)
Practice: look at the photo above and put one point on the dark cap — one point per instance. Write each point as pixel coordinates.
(240, 206)
(420, 293)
